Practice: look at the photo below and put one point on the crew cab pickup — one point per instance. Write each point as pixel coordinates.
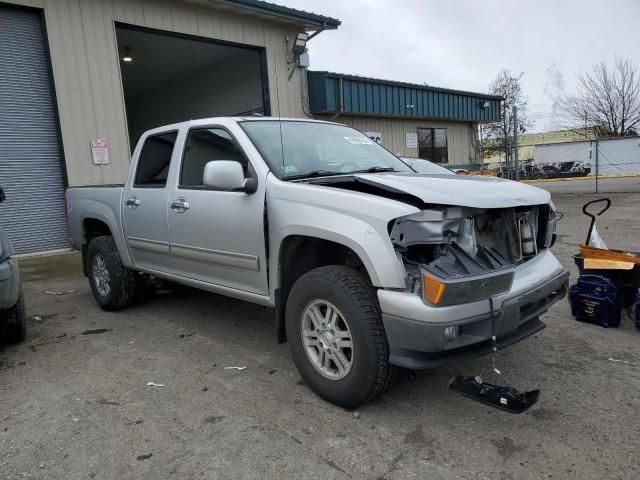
(367, 264)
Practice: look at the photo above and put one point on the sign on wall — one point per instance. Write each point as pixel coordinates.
(99, 151)
(375, 136)
(411, 140)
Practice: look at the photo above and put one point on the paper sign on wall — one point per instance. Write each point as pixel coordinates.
(411, 140)
(99, 151)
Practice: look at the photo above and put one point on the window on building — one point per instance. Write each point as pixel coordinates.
(153, 166)
(205, 145)
(432, 144)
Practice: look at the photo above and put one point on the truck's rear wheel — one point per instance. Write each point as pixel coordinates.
(336, 336)
(13, 323)
(113, 285)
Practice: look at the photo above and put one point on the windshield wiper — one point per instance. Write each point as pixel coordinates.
(313, 174)
(328, 173)
(375, 170)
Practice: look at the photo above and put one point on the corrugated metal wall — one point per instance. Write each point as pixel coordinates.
(87, 71)
(31, 166)
(461, 137)
(349, 94)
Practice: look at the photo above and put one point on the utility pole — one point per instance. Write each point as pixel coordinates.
(597, 166)
(515, 144)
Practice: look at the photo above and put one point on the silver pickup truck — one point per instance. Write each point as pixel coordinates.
(368, 265)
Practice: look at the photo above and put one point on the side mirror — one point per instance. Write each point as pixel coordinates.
(3, 197)
(227, 175)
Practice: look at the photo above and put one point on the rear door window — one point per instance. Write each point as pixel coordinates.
(154, 162)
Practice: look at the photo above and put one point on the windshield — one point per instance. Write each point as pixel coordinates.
(425, 166)
(297, 149)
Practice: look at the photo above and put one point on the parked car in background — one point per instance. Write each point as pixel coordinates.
(367, 264)
(13, 326)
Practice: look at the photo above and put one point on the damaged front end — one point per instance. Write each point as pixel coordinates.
(454, 255)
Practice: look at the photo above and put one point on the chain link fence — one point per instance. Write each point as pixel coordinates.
(604, 164)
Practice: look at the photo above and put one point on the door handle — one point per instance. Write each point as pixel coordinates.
(132, 202)
(180, 205)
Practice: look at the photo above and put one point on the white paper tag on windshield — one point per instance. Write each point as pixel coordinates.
(359, 140)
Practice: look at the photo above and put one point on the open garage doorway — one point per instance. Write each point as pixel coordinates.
(171, 78)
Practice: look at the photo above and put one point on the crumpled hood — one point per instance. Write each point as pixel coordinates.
(460, 190)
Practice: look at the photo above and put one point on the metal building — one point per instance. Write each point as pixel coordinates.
(81, 79)
(411, 120)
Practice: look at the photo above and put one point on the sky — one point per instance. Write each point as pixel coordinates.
(463, 44)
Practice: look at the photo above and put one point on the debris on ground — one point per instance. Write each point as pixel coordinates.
(213, 419)
(235, 368)
(37, 318)
(356, 414)
(144, 456)
(271, 372)
(51, 292)
(625, 362)
(204, 389)
(61, 335)
(503, 397)
(102, 401)
(183, 335)
(96, 331)
(154, 384)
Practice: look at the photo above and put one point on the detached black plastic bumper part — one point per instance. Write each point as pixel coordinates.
(505, 398)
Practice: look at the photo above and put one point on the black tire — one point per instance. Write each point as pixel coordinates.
(13, 323)
(122, 281)
(370, 371)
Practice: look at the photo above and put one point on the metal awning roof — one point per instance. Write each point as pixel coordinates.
(331, 93)
(310, 20)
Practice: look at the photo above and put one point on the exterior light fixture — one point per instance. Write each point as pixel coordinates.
(126, 57)
(300, 44)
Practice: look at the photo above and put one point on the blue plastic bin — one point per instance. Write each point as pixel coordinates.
(595, 299)
(636, 308)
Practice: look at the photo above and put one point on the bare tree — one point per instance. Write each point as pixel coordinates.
(607, 101)
(497, 136)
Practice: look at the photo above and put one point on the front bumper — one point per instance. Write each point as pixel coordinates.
(421, 336)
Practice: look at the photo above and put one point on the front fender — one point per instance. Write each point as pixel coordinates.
(357, 221)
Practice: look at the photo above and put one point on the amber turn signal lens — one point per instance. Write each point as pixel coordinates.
(432, 289)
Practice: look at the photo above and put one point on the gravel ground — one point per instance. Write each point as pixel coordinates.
(74, 402)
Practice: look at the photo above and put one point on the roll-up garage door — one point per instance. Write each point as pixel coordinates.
(31, 164)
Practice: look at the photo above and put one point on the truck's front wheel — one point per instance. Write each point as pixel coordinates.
(113, 285)
(336, 336)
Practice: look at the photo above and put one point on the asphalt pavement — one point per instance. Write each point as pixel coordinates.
(74, 400)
